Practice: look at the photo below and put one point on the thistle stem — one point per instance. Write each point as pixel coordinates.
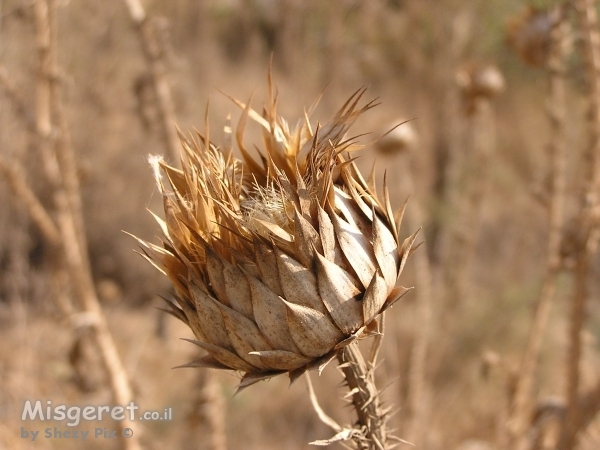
(365, 397)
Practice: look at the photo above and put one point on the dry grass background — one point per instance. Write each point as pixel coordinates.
(408, 52)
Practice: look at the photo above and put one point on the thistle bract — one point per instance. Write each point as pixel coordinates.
(277, 263)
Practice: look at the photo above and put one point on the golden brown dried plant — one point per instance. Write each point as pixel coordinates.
(279, 264)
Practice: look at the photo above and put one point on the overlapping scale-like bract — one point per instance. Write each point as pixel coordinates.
(277, 264)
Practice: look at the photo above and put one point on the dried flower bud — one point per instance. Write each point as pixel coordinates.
(530, 33)
(277, 263)
(398, 138)
(480, 80)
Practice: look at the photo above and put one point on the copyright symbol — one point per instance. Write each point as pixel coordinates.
(127, 432)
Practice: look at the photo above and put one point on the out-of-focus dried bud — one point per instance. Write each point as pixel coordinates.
(529, 33)
(398, 138)
(479, 81)
(474, 444)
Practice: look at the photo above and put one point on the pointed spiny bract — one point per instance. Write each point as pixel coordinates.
(279, 261)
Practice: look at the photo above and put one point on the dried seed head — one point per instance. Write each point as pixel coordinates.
(529, 34)
(478, 81)
(277, 263)
(483, 80)
(401, 137)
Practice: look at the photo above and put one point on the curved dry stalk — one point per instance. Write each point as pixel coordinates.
(370, 432)
(21, 190)
(342, 434)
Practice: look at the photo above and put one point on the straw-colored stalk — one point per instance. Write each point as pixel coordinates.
(154, 58)
(61, 171)
(215, 412)
(290, 39)
(479, 84)
(44, 138)
(154, 54)
(208, 414)
(16, 101)
(15, 177)
(449, 155)
(18, 261)
(588, 221)
(419, 394)
(523, 402)
(372, 417)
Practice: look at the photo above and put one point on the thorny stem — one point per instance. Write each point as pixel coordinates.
(365, 397)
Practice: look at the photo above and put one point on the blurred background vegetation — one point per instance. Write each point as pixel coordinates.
(475, 176)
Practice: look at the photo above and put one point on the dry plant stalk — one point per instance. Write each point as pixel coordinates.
(479, 84)
(582, 240)
(214, 411)
(18, 262)
(448, 148)
(588, 222)
(279, 265)
(523, 402)
(14, 175)
(16, 180)
(419, 395)
(154, 57)
(373, 433)
(290, 34)
(60, 165)
(207, 417)
(16, 101)
(68, 204)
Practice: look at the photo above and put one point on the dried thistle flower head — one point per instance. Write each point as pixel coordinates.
(277, 263)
